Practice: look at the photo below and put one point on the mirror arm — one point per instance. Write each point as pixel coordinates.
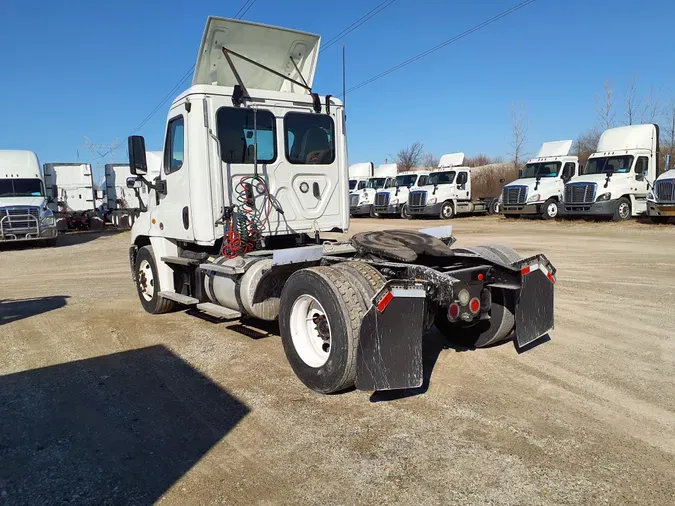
(159, 186)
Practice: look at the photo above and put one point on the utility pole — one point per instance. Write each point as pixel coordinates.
(101, 154)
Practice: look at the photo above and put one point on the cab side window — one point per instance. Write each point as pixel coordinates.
(462, 178)
(174, 151)
(362, 185)
(422, 180)
(568, 171)
(642, 165)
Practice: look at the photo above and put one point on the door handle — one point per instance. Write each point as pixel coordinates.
(316, 190)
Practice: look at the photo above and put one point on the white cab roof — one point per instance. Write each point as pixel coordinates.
(627, 137)
(268, 45)
(451, 160)
(15, 163)
(386, 170)
(554, 148)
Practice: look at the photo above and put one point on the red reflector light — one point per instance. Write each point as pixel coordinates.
(474, 305)
(382, 305)
(525, 270)
(453, 311)
(551, 277)
(480, 276)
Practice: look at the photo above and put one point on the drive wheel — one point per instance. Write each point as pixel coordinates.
(365, 279)
(147, 283)
(623, 210)
(319, 320)
(404, 212)
(550, 210)
(447, 211)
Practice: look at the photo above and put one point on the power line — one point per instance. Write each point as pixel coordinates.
(370, 14)
(240, 14)
(442, 44)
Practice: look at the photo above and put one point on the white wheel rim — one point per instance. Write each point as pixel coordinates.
(310, 331)
(146, 280)
(623, 210)
(552, 209)
(447, 211)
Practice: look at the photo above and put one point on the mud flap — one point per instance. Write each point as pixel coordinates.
(389, 354)
(534, 311)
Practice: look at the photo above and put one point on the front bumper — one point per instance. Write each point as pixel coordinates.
(657, 209)
(360, 210)
(393, 209)
(521, 208)
(606, 208)
(33, 229)
(429, 210)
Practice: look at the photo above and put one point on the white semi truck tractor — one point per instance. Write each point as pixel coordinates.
(74, 198)
(394, 200)
(539, 189)
(615, 181)
(359, 174)
(447, 192)
(24, 214)
(362, 201)
(661, 198)
(254, 171)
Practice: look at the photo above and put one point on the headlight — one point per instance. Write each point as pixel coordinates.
(604, 197)
(651, 196)
(394, 202)
(534, 198)
(433, 200)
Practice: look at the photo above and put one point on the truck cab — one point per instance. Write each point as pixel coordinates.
(361, 202)
(394, 200)
(661, 198)
(359, 174)
(614, 183)
(538, 190)
(24, 214)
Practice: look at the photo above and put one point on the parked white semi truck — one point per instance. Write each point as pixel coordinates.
(394, 200)
(254, 170)
(359, 174)
(24, 215)
(614, 183)
(539, 189)
(74, 198)
(447, 192)
(361, 201)
(661, 198)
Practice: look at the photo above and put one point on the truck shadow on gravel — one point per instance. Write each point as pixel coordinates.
(115, 429)
(63, 241)
(12, 310)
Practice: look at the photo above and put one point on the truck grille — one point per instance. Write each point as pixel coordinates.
(580, 193)
(664, 191)
(353, 200)
(514, 195)
(382, 199)
(418, 198)
(17, 218)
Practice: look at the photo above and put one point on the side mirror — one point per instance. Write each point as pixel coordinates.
(138, 165)
(50, 200)
(134, 182)
(520, 172)
(502, 181)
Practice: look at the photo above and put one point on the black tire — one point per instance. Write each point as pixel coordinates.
(547, 210)
(404, 212)
(158, 304)
(623, 210)
(372, 212)
(365, 279)
(660, 220)
(494, 207)
(343, 307)
(447, 211)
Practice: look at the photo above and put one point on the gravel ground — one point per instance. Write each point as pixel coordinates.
(101, 403)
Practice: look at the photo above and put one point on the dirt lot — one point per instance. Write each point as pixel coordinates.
(103, 403)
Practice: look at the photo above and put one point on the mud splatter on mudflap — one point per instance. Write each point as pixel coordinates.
(389, 354)
(534, 310)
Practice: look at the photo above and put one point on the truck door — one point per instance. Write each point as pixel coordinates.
(463, 185)
(641, 171)
(173, 210)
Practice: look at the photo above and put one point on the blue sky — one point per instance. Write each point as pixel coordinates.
(98, 68)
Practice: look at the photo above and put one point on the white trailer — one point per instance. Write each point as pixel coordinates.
(74, 197)
(254, 170)
(24, 215)
(394, 200)
(361, 201)
(539, 189)
(447, 192)
(614, 182)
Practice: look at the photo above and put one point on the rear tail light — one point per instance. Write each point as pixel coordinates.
(453, 312)
(474, 305)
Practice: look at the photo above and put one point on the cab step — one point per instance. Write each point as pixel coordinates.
(180, 260)
(177, 297)
(216, 310)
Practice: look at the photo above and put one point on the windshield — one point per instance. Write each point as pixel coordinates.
(608, 164)
(408, 180)
(352, 184)
(543, 169)
(442, 178)
(21, 188)
(376, 183)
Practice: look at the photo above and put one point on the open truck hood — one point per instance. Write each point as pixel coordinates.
(267, 45)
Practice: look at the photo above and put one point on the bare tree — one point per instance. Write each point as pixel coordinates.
(652, 107)
(410, 157)
(668, 132)
(633, 102)
(520, 127)
(430, 161)
(586, 144)
(604, 106)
